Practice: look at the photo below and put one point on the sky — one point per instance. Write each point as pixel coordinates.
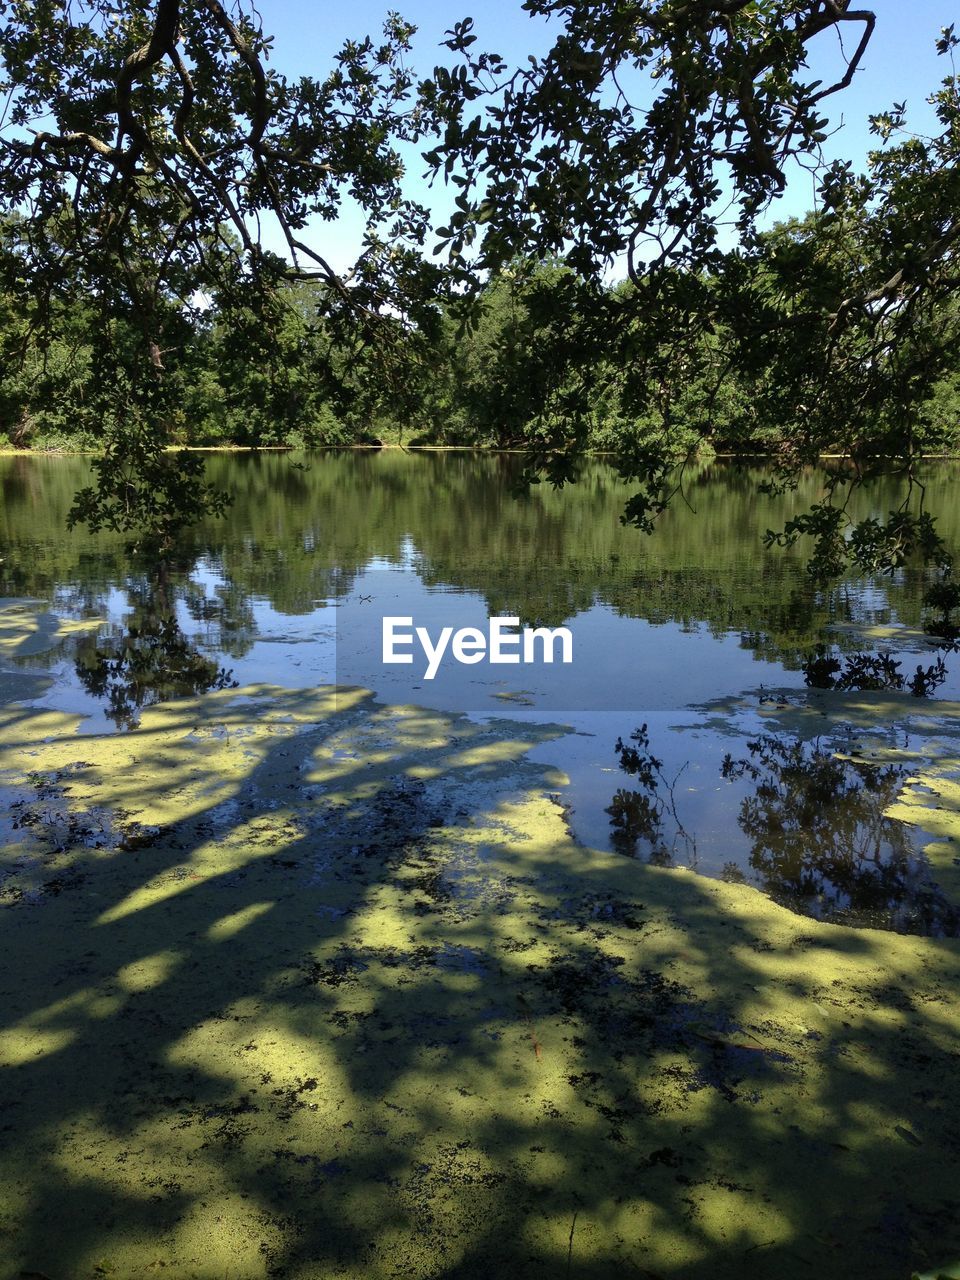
(900, 64)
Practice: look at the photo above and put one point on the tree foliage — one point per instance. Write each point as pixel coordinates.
(146, 146)
(621, 139)
(837, 330)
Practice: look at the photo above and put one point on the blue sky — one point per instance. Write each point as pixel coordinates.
(900, 63)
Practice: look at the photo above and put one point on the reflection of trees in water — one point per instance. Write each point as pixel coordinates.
(637, 816)
(153, 660)
(821, 844)
(296, 536)
(944, 598)
(227, 617)
(871, 671)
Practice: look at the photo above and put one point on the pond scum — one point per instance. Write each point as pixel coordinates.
(295, 984)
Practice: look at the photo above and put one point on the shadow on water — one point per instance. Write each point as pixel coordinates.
(359, 1009)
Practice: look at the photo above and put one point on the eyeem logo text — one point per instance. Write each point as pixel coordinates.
(503, 642)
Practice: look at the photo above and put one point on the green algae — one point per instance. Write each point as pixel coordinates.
(299, 985)
(26, 630)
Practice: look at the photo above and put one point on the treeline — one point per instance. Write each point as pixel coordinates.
(527, 362)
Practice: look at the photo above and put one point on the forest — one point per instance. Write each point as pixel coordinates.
(631, 955)
(144, 308)
(524, 366)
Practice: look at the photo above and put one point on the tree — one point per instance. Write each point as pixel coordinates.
(566, 162)
(165, 143)
(842, 322)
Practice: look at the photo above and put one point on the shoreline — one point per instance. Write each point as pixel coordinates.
(420, 448)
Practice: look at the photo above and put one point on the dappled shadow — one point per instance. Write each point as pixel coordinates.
(335, 995)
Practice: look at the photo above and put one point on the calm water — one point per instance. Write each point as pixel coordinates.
(689, 646)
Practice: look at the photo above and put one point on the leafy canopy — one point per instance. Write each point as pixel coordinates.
(146, 147)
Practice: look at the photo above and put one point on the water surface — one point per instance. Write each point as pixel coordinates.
(693, 739)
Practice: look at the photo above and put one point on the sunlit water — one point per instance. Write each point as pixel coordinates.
(698, 634)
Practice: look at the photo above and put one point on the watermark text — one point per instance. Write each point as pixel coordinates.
(503, 642)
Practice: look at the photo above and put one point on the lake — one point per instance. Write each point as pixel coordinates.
(686, 726)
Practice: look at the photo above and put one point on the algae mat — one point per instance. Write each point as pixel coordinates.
(299, 985)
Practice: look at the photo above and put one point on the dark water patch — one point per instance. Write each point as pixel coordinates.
(340, 970)
(591, 911)
(346, 966)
